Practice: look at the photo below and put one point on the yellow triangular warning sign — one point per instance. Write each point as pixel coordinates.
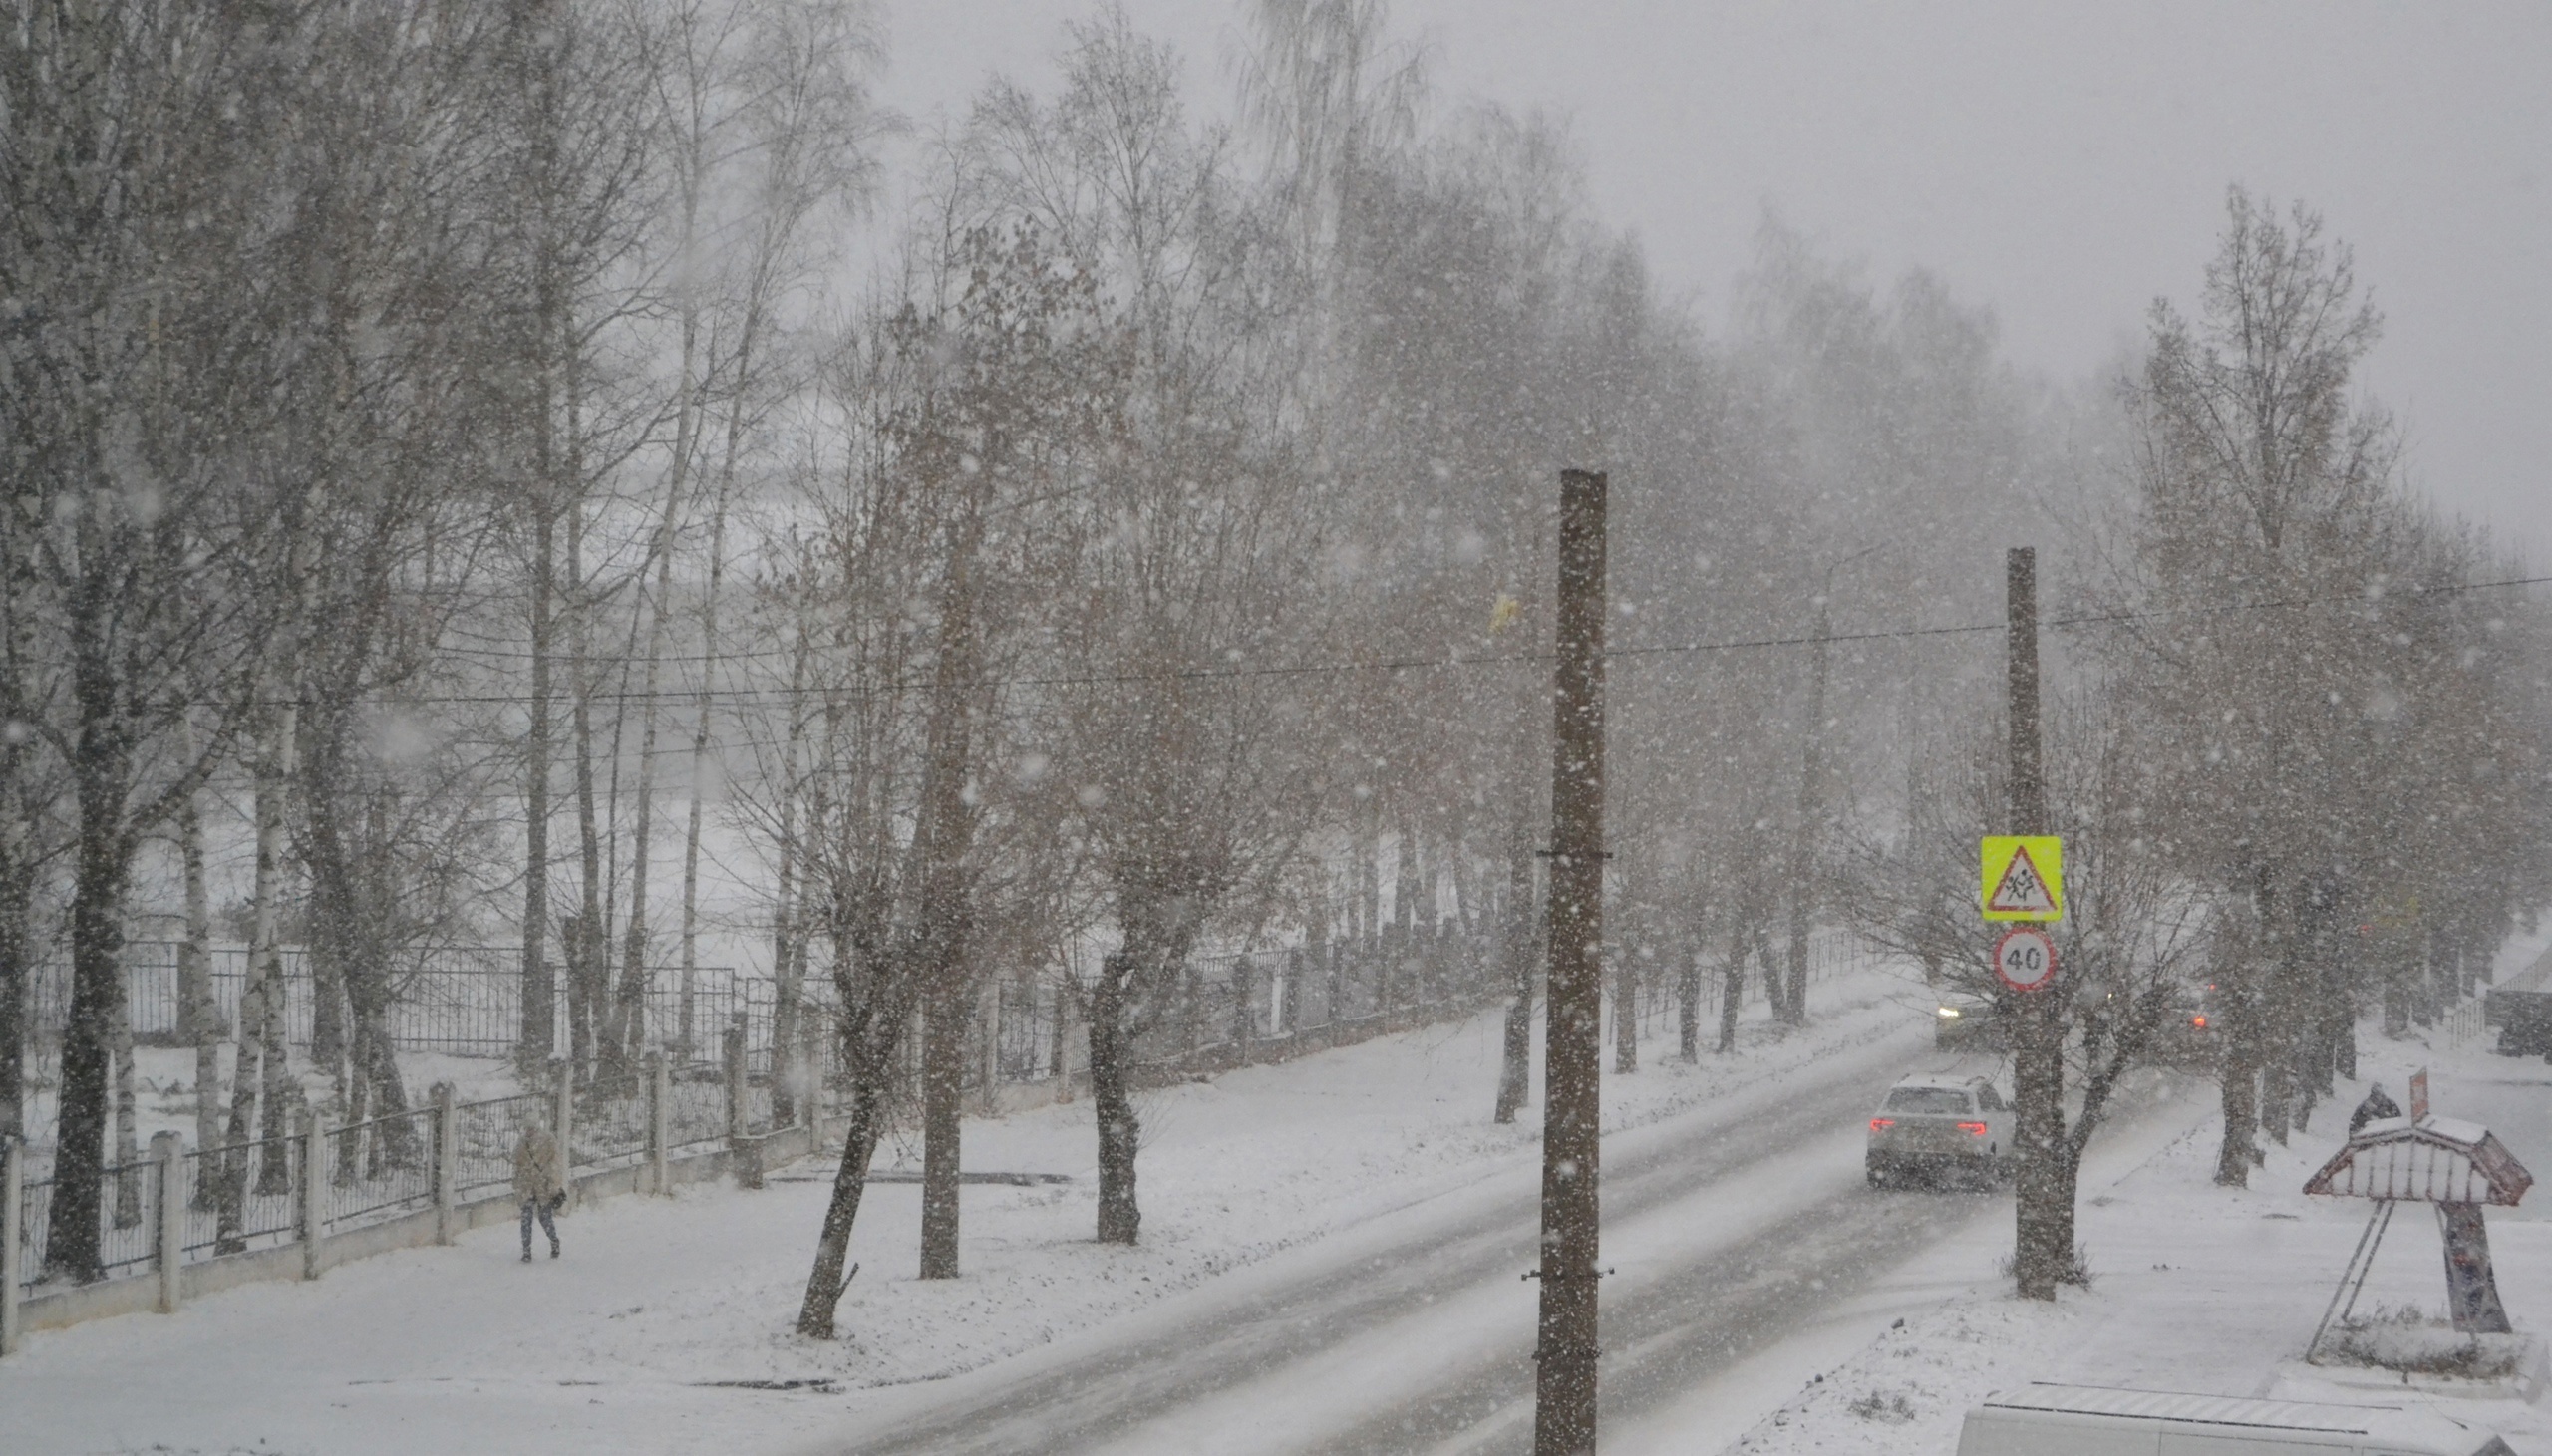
(2023, 890)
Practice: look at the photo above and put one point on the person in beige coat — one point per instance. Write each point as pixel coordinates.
(541, 1182)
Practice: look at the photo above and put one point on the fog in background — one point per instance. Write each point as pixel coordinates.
(2063, 165)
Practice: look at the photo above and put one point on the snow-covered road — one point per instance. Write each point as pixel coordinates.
(1727, 1229)
(1331, 1261)
(1724, 1227)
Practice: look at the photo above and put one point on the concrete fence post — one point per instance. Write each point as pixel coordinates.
(1244, 993)
(168, 1152)
(744, 1153)
(731, 1051)
(13, 1246)
(314, 1192)
(447, 1165)
(660, 1097)
(563, 1123)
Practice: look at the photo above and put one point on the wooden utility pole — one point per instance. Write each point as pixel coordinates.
(1572, 1113)
(2037, 1067)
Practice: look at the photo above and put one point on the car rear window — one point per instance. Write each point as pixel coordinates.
(1943, 1100)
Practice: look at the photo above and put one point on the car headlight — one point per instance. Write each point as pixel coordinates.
(1948, 1014)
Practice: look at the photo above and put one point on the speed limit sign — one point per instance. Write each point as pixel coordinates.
(2025, 957)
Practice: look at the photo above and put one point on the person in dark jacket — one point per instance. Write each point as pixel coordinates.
(2374, 1109)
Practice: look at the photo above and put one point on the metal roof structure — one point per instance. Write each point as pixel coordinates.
(2175, 1405)
(2416, 1427)
(2437, 1160)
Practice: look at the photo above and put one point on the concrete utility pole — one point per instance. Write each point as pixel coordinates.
(1572, 1114)
(2037, 1067)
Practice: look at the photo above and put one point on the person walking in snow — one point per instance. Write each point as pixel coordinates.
(540, 1182)
(2376, 1107)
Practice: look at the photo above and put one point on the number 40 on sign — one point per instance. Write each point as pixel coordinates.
(2025, 957)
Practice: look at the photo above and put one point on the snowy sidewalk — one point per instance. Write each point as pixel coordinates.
(2199, 1287)
(665, 1329)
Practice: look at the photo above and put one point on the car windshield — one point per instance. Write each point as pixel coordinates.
(1944, 1100)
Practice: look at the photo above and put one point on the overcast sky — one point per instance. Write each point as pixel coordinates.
(2063, 163)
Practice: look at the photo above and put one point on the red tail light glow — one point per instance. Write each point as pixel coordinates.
(1878, 1125)
(1972, 1129)
(2198, 1022)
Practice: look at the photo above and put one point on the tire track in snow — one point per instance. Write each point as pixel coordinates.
(1234, 1373)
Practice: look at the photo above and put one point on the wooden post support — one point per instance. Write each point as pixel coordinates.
(1572, 1122)
(660, 1097)
(13, 1246)
(169, 1152)
(563, 1124)
(314, 1192)
(447, 1164)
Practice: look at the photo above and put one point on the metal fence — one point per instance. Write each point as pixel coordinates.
(321, 1180)
(241, 1197)
(34, 1214)
(609, 1130)
(1831, 951)
(696, 1115)
(127, 1219)
(1223, 1002)
(460, 1000)
(485, 1134)
(381, 1168)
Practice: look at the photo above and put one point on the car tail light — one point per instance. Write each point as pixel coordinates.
(1879, 1124)
(2198, 1022)
(1972, 1129)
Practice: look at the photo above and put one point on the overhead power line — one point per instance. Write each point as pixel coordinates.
(1443, 660)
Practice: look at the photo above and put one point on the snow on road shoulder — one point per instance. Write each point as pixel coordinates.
(2196, 1287)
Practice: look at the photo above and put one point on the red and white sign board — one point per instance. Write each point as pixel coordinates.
(2025, 957)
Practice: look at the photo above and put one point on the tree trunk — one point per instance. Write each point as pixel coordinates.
(788, 922)
(1626, 1012)
(128, 1137)
(1515, 1062)
(1688, 1002)
(97, 1004)
(1791, 1001)
(258, 1074)
(1732, 985)
(943, 1088)
(702, 702)
(15, 968)
(829, 1279)
(2240, 1083)
(540, 1027)
(101, 767)
(588, 947)
(1120, 1221)
(199, 1009)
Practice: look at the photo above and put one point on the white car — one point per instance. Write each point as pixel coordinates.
(1933, 1128)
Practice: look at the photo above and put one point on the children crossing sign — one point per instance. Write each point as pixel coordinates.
(2024, 877)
